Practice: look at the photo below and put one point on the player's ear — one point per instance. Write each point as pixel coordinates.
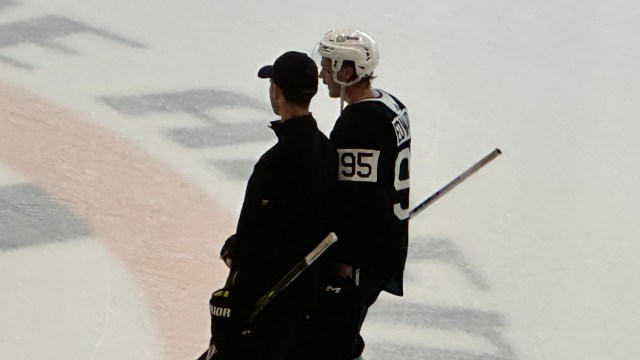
(276, 91)
(348, 72)
(352, 73)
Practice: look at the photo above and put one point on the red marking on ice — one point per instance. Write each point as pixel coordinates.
(166, 230)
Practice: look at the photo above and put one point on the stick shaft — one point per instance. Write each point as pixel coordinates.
(331, 238)
(455, 182)
(293, 274)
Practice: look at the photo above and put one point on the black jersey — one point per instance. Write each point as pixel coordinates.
(372, 200)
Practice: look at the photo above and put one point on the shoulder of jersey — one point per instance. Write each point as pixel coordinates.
(387, 99)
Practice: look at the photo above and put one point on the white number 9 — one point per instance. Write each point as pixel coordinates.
(401, 184)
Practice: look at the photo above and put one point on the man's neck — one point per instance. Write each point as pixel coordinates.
(290, 112)
(354, 94)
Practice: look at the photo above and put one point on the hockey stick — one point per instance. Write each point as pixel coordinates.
(331, 238)
(455, 182)
(292, 274)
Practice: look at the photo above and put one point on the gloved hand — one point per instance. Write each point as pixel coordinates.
(336, 288)
(230, 335)
(333, 325)
(226, 253)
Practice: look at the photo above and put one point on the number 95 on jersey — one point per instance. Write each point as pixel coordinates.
(358, 165)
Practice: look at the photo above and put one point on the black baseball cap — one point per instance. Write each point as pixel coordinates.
(295, 73)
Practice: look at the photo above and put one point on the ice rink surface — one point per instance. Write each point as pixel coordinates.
(128, 130)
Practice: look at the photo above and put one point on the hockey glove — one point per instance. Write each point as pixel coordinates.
(339, 296)
(228, 328)
(333, 325)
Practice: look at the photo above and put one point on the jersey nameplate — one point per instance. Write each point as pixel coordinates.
(401, 127)
(401, 121)
(358, 165)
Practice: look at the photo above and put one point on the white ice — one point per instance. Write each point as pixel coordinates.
(534, 257)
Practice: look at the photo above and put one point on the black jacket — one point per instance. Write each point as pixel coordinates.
(285, 214)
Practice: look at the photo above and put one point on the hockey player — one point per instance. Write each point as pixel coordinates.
(284, 216)
(372, 197)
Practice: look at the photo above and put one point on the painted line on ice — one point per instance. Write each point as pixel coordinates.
(161, 226)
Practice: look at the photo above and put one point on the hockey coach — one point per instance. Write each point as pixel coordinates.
(285, 214)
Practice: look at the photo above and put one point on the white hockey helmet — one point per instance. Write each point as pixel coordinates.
(350, 45)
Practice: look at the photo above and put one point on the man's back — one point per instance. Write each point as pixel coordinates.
(285, 214)
(373, 142)
(285, 211)
(372, 203)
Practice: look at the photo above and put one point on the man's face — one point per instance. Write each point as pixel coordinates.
(326, 74)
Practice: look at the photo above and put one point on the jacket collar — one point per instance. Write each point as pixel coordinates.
(294, 126)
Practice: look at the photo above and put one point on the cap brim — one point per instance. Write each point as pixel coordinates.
(266, 72)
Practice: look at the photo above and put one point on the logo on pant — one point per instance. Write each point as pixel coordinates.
(330, 288)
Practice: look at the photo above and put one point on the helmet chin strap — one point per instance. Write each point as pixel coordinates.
(343, 86)
(342, 96)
